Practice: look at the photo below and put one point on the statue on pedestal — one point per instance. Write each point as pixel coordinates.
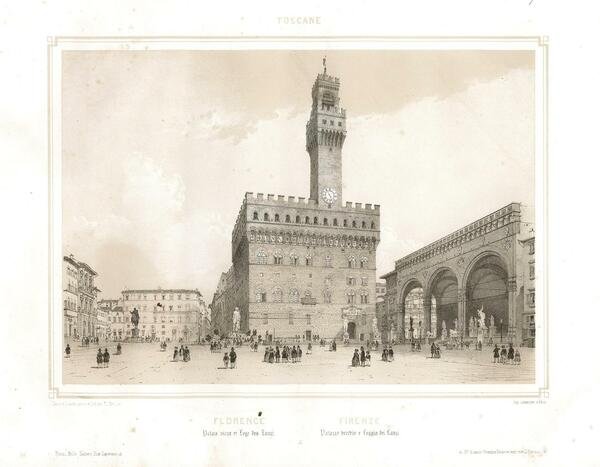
(472, 326)
(135, 319)
(444, 331)
(456, 324)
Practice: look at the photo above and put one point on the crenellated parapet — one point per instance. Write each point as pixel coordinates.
(507, 218)
(270, 200)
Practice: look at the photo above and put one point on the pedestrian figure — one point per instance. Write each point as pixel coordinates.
(355, 358)
(277, 354)
(119, 348)
(368, 358)
(496, 354)
(503, 355)
(68, 351)
(266, 356)
(106, 357)
(294, 354)
(362, 356)
(384, 354)
(517, 357)
(391, 354)
(175, 354)
(232, 358)
(511, 354)
(99, 358)
(309, 349)
(432, 349)
(226, 360)
(299, 354)
(271, 355)
(181, 351)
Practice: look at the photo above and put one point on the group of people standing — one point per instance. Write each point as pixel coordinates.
(285, 354)
(388, 354)
(361, 359)
(183, 353)
(504, 355)
(102, 359)
(229, 359)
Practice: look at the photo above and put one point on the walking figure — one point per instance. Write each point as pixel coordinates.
(517, 357)
(355, 358)
(106, 357)
(496, 354)
(226, 360)
(368, 358)
(232, 358)
(99, 358)
(175, 354)
(511, 354)
(68, 351)
(503, 355)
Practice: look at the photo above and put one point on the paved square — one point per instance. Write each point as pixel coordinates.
(146, 364)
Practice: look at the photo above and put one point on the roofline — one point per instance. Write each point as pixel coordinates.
(162, 290)
(388, 274)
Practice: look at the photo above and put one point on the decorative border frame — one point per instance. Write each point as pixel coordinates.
(55, 47)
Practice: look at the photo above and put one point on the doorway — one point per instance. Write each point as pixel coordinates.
(352, 330)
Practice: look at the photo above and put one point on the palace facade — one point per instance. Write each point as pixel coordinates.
(177, 315)
(304, 268)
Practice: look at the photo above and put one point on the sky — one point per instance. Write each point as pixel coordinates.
(159, 148)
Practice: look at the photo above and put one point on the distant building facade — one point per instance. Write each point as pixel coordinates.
(528, 312)
(80, 313)
(176, 315)
(305, 268)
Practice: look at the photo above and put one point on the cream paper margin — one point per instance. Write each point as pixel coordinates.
(55, 47)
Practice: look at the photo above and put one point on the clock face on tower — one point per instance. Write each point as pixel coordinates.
(329, 195)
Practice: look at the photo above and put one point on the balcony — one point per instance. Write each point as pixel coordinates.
(308, 301)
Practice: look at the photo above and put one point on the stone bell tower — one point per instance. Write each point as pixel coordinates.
(325, 135)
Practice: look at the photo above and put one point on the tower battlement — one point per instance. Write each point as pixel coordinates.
(302, 202)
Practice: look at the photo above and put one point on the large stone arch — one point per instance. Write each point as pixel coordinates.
(443, 289)
(486, 285)
(409, 285)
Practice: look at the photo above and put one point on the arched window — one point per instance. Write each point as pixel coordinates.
(335, 222)
(277, 218)
(364, 225)
(325, 221)
(327, 261)
(364, 297)
(261, 257)
(363, 262)
(307, 220)
(261, 296)
(287, 218)
(345, 222)
(309, 260)
(294, 296)
(277, 256)
(266, 216)
(350, 297)
(316, 220)
(277, 295)
(351, 262)
(293, 259)
(255, 216)
(353, 223)
(372, 225)
(297, 219)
